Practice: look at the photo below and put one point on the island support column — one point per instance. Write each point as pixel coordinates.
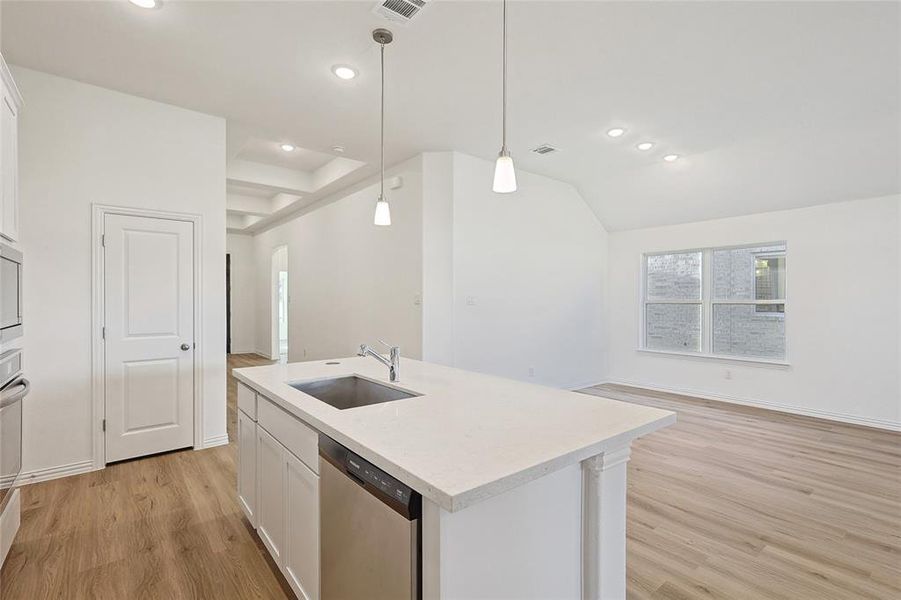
(604, 525)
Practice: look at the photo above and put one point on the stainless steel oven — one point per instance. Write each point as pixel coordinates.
(13, 388)
(10, 293)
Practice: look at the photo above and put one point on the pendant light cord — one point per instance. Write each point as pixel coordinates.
(382, 150)
(504, 112)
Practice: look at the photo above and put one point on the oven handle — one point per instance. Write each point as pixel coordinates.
(21, 387)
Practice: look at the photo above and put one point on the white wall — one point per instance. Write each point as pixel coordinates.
(350, 282)
(533, 263)
(528, 277)
(243, 280)
(80, 145)
(438, 257)
(842, 316)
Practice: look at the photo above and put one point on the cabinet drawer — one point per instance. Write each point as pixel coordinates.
(293, 434)
(247, 401)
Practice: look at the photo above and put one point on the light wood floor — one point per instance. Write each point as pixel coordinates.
(165, 527)
(736, 502)
(728, 503)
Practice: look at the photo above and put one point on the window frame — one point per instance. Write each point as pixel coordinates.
(707, 303)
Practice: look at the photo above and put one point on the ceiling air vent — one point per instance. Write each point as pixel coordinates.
(399, 11)
(545, 149)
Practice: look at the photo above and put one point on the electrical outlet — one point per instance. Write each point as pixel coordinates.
(471, 300)
(728, 374)
(417, 300)
(531, 371)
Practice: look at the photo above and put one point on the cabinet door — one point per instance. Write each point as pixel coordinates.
(271, 494)
(247, 466)
(301, 554)
(9, 175)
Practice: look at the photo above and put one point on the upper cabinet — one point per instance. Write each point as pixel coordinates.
(10, 104)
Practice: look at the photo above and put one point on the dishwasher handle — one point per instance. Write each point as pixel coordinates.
(14, 392)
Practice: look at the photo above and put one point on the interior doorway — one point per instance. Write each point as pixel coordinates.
(281, 300)
(228, 303)
(148, 335)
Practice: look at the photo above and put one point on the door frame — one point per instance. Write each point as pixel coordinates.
(228, 303)
(274, 337)
(98, 292)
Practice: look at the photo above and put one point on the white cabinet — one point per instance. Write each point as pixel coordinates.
(301, 551)
(286, 504)
(10, 102)
(271, 473)
(247, 466)
(292, 433)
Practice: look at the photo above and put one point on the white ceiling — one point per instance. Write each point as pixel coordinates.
(248, 190)
(772, 105)
(267, 151)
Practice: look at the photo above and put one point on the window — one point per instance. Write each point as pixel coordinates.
(673, 302)
(716, 301)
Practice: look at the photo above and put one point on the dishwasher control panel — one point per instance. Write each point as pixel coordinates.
(384, 482)
(399, 496)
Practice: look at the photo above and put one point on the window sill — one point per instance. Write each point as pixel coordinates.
(719, 357)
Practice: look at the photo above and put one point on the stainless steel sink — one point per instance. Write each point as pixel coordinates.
(350, 392)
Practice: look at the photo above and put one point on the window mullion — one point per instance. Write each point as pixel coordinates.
(706, 305)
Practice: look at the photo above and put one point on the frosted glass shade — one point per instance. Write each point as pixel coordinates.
(504, 175)
(382, 212)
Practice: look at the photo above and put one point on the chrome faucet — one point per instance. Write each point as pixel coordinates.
(392, 362)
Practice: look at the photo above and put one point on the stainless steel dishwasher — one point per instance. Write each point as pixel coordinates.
(370, 539)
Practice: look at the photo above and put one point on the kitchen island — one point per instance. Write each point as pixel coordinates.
(523, 486)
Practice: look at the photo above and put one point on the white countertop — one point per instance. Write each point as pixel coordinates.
(468, 436)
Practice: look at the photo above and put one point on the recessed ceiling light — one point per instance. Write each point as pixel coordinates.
(670, 157)
(616, 132)
(645, 145)
(288, 147)
(338, 149)
(344, 72)
(147, 3)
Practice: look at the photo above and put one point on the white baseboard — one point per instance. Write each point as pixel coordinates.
(48, 473)
(255, 352)
(247, 351)
(219, 440)
(790, 409)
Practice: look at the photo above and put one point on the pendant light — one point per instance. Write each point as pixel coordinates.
(382, 209)
(504, 173)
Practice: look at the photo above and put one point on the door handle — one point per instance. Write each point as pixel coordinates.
(185, 347)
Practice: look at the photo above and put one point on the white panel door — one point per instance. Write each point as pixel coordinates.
(149, 336)
(301, 566)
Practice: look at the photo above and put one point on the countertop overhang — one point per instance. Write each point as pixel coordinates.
(467, 436)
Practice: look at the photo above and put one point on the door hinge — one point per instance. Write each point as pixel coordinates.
(103, 424)
(103, 333)
(103, 240)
